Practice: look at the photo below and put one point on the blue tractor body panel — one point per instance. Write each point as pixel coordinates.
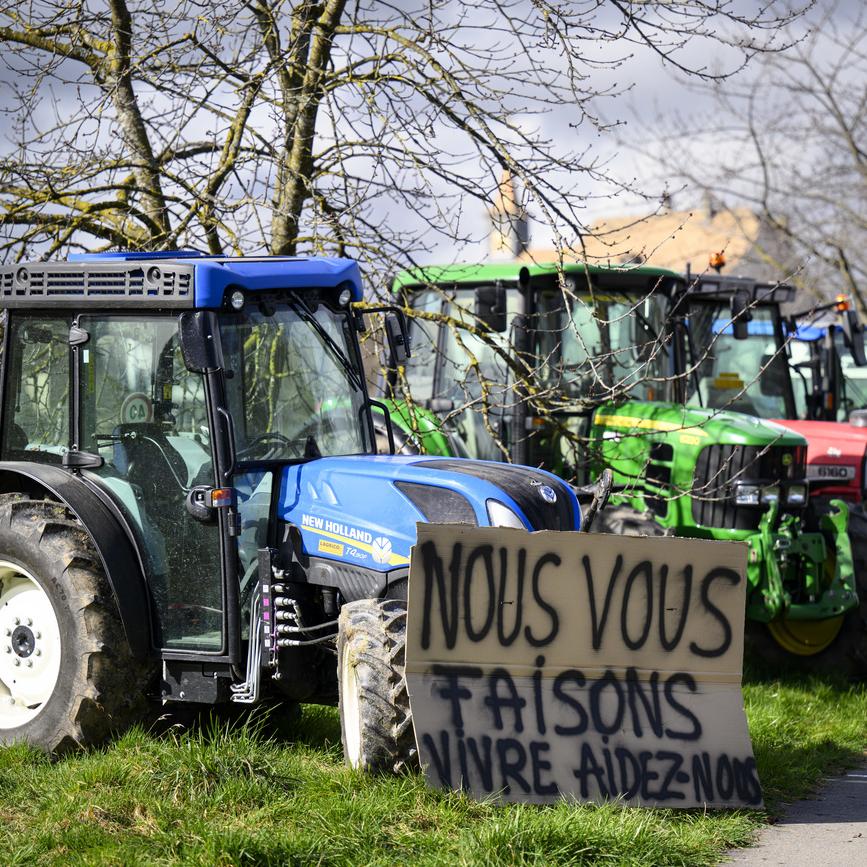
(351, 509)
(213, 275)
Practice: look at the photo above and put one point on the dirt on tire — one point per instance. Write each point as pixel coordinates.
(372, 640)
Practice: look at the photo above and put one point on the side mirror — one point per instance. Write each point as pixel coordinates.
(853, 337)
(397, 336)
(200, 340)
(490, 307)
(740, 309)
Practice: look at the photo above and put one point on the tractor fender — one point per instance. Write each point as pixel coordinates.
(109, 532)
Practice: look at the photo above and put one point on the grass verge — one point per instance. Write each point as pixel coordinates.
(225, 795)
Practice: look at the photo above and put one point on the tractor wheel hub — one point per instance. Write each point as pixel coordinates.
(23, 642)
(30, 633)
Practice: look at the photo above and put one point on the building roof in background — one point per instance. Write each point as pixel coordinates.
(670, 239)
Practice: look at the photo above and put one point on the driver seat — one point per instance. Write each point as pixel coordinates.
(146, 458)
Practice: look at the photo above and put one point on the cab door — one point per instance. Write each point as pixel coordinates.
(146, 415)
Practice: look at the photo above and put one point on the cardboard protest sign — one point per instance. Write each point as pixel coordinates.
(544, 665)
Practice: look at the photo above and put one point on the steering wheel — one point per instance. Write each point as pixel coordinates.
(271, 439)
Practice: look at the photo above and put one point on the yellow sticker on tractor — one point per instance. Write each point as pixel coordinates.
(728, 381)
(326, 546)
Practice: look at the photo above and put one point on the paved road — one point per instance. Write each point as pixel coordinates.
(830, 831)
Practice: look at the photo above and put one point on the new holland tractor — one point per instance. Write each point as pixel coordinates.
(693, 470)
(192, 509)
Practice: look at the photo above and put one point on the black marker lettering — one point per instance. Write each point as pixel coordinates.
(560, 693)
(597, 624)
(667, 643)
(512, 769)
(453, 691)
(486, 554)
(543, 561)
(732, 578)
(497, 702)
(448, 606)
(689, 682)
(646, 569)
(516, 604)
(442, 761)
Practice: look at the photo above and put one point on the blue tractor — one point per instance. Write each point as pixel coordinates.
(192, 508)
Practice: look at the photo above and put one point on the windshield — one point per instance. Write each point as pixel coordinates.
(461, 375)
(749, 375)
(293, 387)
(854, 379)
(606, 346)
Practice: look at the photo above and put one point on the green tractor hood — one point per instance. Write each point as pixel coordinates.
(693, 426)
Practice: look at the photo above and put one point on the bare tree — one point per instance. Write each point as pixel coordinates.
(360, 127)
(789, 142)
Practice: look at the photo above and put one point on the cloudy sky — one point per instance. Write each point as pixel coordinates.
(652, 96)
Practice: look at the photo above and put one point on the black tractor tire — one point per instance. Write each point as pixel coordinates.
(99, 688)
(625, 520)
(375, 719)
(847, 654)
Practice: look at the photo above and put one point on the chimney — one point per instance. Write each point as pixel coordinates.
(510, 233)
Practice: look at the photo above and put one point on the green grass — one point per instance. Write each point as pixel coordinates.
(221, 794)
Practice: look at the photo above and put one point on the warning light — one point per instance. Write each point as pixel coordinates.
(842, 303)
(717, 261)
(221, 497)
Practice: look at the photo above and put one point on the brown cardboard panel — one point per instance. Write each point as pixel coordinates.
(549, 665)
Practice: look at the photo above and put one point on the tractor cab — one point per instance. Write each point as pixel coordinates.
(597, 335)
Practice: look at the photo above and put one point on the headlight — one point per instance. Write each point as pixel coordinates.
(438, 505)
(747, 495)
(796, 495)
(502, 516)
(771, 494)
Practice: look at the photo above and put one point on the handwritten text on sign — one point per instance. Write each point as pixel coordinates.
(592, 666)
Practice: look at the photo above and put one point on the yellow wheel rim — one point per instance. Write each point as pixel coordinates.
(805, 637)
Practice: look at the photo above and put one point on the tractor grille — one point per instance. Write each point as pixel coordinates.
(720, 467)
(658, 473)
(109, 285)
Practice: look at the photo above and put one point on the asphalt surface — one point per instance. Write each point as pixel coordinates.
(828, 830)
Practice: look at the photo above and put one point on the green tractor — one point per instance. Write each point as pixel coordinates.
(608, 348)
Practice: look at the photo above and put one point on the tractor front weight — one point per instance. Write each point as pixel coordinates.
(791, 574)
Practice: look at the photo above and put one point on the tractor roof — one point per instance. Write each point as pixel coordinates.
(507, 272)
(722, 287)
(166, 279)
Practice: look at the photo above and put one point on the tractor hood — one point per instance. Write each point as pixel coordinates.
(695, 425)
(835, 457)
(363, 510)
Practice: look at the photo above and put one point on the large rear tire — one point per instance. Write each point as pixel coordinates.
(375, 720)
(834, 646)
(67, 677)
(624, 520)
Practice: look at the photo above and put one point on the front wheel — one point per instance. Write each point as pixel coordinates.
(67, 678)
(375, 720)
